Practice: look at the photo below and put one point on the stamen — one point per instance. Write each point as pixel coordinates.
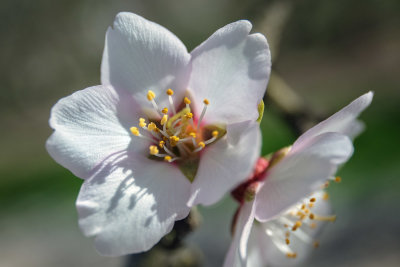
(164, 120)
(201, 146)
(169, 151)
(150, 96)
(135, 132)
(212, 139)
(291, 255)
(167, 158)
(153, 150)
(142, 123)
(164, 110)
(161, 144)
(296, 225)
(173, 140)
(338, 179)
(170, 92)
(206, 103)
(331, 218)
(152, 126)
(187, 102)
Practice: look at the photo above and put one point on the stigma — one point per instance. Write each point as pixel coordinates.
(176, 134)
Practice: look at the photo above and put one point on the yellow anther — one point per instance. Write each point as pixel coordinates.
(338, 179)
(202, 144)
(192, 134)
(287, 234)
(153, 150)
(291, 255)
(287, 241)
(206, 102)
(296, 225)
(311, 216)
(189, 115)
(303, 206)
(135, 131)
(142, 122)
(310, 205)
(167, 158)
(164, 119)
(170, 92)
(215, 133)
(187, 101)
(150, 95)
(312, 199)
(161, 144)
(152, 126)
(316, 244)
(164, 110)
(325, 196)
(174, 140)
(326, 184)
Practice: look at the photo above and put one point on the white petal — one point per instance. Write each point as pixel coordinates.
(226, 163)
(300, 173)
(237, 253)
(140, 55)
(131, 203)
(90, 125)
(256, 255)
(301, 241)
(343, 121)
(231, 69)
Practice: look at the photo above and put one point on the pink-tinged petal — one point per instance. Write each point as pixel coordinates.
(237, 253)
(344, 121)
(131, 203)
(231, 69)
(140, 55)
(226, 163)
(89, 126)
(300, 173)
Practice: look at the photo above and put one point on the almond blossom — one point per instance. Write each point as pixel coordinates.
(282, 202)
(164, 131)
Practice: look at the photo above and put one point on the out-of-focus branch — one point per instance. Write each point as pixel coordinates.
(171, 250)
(289, 104)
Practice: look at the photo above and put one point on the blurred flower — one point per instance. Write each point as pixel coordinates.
(281, 196)
(166, 130)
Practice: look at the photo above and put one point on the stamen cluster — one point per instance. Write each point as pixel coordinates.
(175, 135)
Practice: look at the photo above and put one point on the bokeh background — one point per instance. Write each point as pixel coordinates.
(328, 52)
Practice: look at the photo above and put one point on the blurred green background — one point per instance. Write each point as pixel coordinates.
(329, 52)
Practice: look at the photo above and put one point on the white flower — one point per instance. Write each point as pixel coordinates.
(293, 175)
(166, 130)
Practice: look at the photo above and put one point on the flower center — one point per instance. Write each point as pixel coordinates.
(176, 135)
